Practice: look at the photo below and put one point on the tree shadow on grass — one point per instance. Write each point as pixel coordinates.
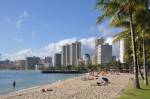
(145, 89)
(130, 93)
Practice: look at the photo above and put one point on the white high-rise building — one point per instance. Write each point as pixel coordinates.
(104, 54)
(71, 54)
(99, 41)
(67, 54)
(122, 50)
(75, 53)
(63, 58)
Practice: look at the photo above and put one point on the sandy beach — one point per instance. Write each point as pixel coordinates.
(75, 88)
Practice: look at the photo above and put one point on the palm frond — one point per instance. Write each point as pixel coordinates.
(121, 35)
(119, 23)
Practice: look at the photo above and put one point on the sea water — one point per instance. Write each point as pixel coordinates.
(27, 79)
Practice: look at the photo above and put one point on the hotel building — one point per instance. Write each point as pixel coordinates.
(104, 53)
(71, 53)
(99, 41)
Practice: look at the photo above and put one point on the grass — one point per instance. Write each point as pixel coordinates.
(132, 93)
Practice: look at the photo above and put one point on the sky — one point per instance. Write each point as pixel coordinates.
(41, 27)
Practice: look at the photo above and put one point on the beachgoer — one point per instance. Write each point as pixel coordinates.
(43, 90)
(14, 84)
(102, 81)
(105, 79)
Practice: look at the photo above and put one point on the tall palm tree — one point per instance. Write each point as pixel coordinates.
(141, 22)
(123, 10)
(143, 27)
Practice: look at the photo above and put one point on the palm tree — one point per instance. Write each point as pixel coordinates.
(144, 33)
(144, 64)
(123, 35)
(141, 22)
(123, 10)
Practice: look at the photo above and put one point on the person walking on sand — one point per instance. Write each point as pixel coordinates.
(14, 84)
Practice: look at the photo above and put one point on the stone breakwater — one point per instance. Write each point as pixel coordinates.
(75, 88)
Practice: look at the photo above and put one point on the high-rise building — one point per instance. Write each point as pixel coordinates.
(71, 54)
(114, 58)
(78, 49)
(20, 64)
(86, 59)
(31, 62)
(75, 53)
(122, 50)
(67, 54)
(104, 54)
(99, 41)
(63, 56)
(57, 59)
(93, 60)
(48, 60)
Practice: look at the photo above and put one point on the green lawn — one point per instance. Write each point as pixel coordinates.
(131, 93)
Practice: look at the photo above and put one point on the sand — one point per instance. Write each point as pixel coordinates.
(75, 88)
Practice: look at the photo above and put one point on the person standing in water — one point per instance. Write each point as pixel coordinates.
(14, 84)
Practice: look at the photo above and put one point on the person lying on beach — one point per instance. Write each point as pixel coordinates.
(85, 78)
(102, 81)
(46, 89)
(88, 77)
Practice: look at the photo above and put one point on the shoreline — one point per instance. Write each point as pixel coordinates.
(26, 90)
(74, 88)
(20, 91)
(23, 84)
(35, 88)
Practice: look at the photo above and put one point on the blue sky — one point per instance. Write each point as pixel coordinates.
(34, 24)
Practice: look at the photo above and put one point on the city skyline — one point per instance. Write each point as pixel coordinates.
(38, 25)
(88, 46)
(70, 55)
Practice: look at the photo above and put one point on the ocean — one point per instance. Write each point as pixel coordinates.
(27, 79)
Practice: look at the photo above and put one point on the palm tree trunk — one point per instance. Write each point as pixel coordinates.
(144, 63)
(139, 67)
(136, 78)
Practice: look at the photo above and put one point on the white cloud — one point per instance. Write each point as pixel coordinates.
(52, 48)
(109, 40)
(88, 46)
(21, 19)
(18, 55)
